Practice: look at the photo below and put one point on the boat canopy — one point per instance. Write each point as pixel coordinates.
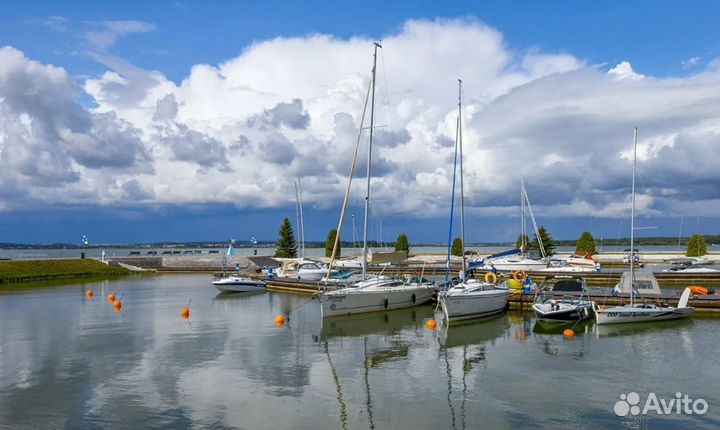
(645, 283)
(568, 285)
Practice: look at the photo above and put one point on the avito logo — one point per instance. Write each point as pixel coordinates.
(679, 405)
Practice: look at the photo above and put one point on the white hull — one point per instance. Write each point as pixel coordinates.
(511, 265)
(306, 275)
(236, 284)
(627, 314)
(569, 269)
(356, 300)
(474, 304)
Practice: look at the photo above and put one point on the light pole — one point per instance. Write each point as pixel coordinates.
(254, 244)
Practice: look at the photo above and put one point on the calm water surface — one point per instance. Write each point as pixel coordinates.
(70, 362)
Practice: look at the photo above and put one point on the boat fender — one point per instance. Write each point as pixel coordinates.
(489, 276)
(519, 275)
(698, 290)
(385, 303)
(412, 298)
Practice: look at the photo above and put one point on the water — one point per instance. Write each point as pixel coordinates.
(75, 363)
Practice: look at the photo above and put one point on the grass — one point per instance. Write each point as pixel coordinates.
(15, 271)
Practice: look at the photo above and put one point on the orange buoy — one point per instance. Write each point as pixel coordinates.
(117, 304)
(89, 294)
(568, 332)
(431, 324)
(279, 320)
(111, 297)
(185, 313)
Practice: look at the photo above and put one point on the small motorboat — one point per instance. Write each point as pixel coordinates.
(238, 284)
(571, 308)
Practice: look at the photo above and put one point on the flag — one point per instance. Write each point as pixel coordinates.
(231, 250)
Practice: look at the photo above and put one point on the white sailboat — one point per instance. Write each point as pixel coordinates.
(376, 293)
(640, 312)
(471, 298)
(516, 259)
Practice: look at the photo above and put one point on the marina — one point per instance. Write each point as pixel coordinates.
(230, 365)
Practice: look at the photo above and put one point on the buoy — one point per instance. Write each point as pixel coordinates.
(431, 324)
(111, 298)
(568, 332)
(117, 304)
(185, 312)
(279, 320)
(89, 294)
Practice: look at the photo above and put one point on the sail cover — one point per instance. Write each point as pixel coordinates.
(645, 284)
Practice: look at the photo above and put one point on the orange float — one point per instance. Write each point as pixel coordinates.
(431, 324)
(111, 298)
(89, 294)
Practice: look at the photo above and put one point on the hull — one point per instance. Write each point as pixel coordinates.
(621, 315)
(512, 266)
(568, 314)
(473, 305)
(356, 301)
(238, 285)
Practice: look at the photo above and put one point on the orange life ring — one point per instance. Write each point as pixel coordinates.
(519, 275)
(491, 275)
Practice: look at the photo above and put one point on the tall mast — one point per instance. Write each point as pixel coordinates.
(632, 220)
(462, 201)
(522, 215)
(302, 221)
(369, 160)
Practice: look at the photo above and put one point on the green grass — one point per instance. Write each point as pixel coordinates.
(14, 271)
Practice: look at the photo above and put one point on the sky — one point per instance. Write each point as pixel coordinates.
(189, 121)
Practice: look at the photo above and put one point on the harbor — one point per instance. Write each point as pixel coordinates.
(230, 365)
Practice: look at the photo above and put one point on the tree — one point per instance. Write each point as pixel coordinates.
(285, 246)
(586, 244)
(330, 243)
(547, 242)
(519, 242)
(696, 246)
(457, 247)
(401, 243)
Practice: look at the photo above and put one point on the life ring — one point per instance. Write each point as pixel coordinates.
(385, 303)
(519, 275)
(491, 275)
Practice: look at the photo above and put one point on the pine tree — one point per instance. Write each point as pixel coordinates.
(696, 246)
(285, 246)
(457, 247)
(519, 242)
(330, 244)
(547, 242)
(401, 244)
(586, 244)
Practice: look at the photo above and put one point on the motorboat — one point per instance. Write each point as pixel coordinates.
(302, 269)
(571, 308)
(238, 284)
(573, 264)
(375, 294)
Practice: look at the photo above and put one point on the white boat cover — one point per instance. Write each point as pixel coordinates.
(645, 284)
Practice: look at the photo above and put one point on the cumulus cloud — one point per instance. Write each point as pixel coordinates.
(564, 125)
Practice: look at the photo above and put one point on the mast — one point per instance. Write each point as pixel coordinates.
(369, 161)
(302, 221)
(452, 205)
(462, 201)
(298, 241)
(522, 215)
(632, 220)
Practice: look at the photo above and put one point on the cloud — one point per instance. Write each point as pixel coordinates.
(564, 125)
(283, 114)
(690, 62)
(57, 24)
(110, 31)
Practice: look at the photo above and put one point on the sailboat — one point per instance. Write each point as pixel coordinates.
(516, 259)
(470, 298)
(641, 312)
(376, 293)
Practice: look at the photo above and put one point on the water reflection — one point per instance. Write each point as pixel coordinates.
(71, 362)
